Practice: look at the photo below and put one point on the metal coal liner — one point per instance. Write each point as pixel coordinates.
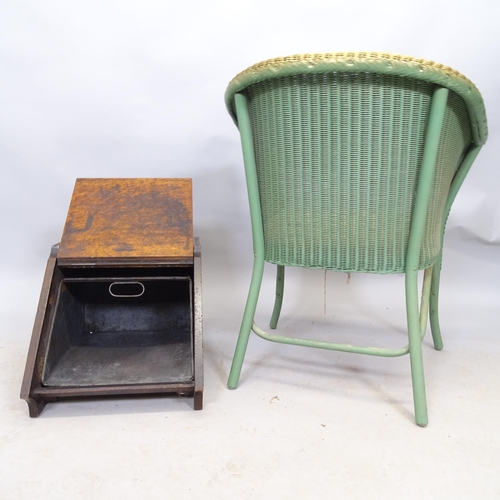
(126, 330)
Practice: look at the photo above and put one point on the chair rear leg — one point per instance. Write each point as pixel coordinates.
(434, 305)
(278, 301)
(246, 323)
(415, 341)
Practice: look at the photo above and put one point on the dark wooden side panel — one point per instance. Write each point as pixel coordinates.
(198, 329)
(31, 378)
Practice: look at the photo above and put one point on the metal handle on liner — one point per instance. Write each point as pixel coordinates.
(126, 283)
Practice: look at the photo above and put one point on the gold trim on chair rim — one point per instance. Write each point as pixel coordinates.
(376, 62)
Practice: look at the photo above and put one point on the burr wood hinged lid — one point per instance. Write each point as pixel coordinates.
(122, 219)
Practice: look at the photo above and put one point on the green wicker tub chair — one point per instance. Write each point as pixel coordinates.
(352, 162)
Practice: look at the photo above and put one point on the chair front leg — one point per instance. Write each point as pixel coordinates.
(278, 301)
(424, 301)
(434, 304)
(247, 322)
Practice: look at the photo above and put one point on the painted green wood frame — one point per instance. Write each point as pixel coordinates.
(416, 319)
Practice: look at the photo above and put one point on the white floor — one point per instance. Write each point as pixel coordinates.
(303, 423)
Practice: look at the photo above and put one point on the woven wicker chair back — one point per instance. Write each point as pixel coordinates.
(338, 157)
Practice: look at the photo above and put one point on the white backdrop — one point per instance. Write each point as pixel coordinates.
(102, 88)
(135, 89)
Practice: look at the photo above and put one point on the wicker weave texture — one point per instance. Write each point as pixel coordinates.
(338, 157)
(369, 62)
